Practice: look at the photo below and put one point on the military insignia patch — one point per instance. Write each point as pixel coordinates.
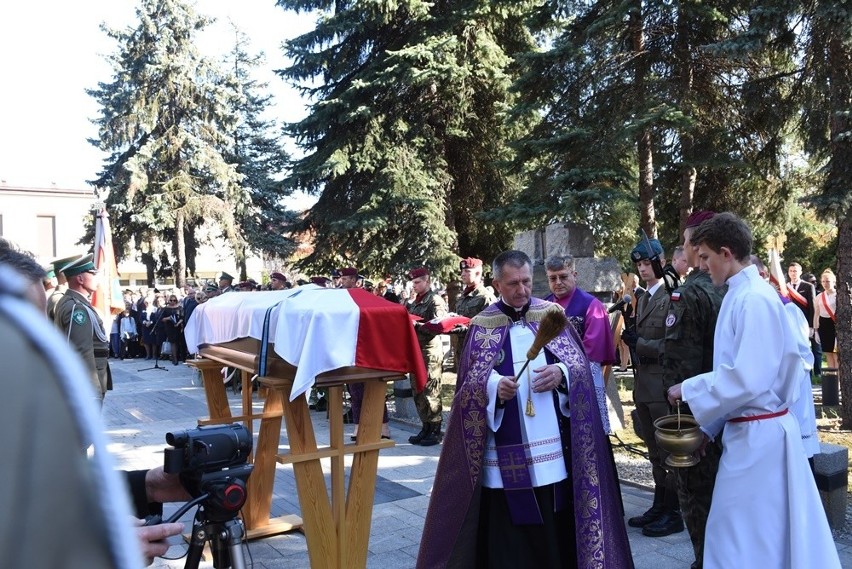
(670, 320)
(500, 356)
(79, 317)
(676, 296)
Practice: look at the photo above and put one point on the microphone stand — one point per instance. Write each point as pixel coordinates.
(157, 352)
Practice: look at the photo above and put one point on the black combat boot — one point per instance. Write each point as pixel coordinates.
(653, 513)
(670, 522)
(415, 439)
(433, 437)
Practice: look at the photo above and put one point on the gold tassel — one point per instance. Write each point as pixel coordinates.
(530, 407)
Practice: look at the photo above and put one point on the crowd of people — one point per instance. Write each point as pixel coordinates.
(526, 474)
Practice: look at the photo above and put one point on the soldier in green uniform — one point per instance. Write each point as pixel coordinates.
(82, 325)
(62, 283)
(428, 305)
(688, 351)
(472, 300)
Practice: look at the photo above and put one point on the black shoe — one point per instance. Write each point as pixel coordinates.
(433, 437)
(667, 524)
(650, 516)
(415, 439)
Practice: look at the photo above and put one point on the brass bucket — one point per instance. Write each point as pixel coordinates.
(680, 436)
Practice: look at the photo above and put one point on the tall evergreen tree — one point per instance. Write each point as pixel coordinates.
(257, 150)
(405, 139)
(165, 118)
(827, 122)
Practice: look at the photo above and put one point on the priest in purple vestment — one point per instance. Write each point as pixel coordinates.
(525, 478)
(589, 317)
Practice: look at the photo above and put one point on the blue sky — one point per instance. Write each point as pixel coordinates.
(52, 50)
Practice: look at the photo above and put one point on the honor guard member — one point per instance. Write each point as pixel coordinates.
(347, 277)
(226, 283)
(472, 300)
(278, 281)
(647, 342)
(82, 325)
(688, 351)
(61, 283)
(427, 304)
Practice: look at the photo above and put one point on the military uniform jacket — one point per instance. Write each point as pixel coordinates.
(651, 314)
(474, 302)
(429, 307)
(690, 325)
(84, 329)
(54, 299)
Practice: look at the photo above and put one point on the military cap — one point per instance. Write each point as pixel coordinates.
(321, 281)
(418, 272)
(211, 287)
(49, 272)
(278, 276)
(348, 272)
(696, 218)
(81, 265)
(641, 252)
(226, 277)
(470, 263)
(60, 264)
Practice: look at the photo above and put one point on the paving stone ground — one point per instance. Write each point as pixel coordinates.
(145, 405)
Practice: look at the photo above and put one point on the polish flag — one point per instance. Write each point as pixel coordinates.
(107, 299)
(776, 273)
(321, 329)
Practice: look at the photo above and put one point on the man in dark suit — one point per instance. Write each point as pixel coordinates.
(802, 294)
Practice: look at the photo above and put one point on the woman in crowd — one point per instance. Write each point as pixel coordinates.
(825, 304)
(169, 325)
(147, 317)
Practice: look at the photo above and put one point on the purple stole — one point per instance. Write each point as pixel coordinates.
(601, 535)
(511, 452)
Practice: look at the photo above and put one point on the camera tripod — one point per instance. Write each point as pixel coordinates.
(216, 521)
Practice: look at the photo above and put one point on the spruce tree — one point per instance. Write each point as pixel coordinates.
(407, 133)
(165, 118)
(257, 150)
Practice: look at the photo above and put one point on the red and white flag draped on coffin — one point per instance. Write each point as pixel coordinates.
(315, 329)
(324, 329)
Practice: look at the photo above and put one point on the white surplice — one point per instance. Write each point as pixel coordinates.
(766, 511)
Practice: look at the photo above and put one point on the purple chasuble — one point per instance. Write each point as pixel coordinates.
(452, 517)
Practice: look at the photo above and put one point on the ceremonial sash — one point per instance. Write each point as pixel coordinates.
(827, 307)
(797, 296)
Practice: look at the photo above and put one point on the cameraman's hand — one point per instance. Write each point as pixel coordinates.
(152, 539)
(161, 487)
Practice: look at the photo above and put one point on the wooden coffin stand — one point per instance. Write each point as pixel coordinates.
(336, 526)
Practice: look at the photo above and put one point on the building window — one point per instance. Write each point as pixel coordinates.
(46, 231)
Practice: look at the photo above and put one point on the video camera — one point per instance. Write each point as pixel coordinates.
(212, 462)
(207, 449)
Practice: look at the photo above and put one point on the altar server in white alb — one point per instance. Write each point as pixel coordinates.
(766, 510)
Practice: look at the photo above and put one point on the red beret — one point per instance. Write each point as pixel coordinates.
(470, 263)
(278, 276)
(698, 217)
(348, 272)
(321, 281)
(418, 272)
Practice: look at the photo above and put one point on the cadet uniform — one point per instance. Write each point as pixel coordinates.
(428, 306)
(471, 302)
(649, 393)
(688, 351)
(84, 329)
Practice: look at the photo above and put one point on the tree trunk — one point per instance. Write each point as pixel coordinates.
(644, 150)
(180, 254)
(838, 184)
(688, 173)
(241, 263)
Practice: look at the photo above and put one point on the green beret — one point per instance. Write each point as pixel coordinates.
(80, 266)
